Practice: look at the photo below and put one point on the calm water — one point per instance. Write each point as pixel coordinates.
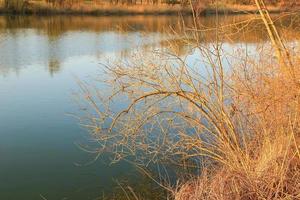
(40, 60)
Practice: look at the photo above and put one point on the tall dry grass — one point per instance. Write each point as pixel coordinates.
(268, 166)
(266, 101)
(132, 7)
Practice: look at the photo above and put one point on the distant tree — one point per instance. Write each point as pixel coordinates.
(16, 5)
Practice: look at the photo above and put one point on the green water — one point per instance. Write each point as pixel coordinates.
(40, 60)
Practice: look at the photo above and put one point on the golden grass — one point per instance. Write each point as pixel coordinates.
(115, 9)
(105, 8)
(269, 163)
(102, 9)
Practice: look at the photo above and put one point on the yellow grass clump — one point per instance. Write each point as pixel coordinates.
(269, 168)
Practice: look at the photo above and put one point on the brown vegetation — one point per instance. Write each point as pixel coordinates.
(266, 101)
(110, 7)
(268, 165)
(239, 125)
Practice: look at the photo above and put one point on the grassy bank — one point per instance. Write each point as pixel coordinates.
(98, 10)
(41, 8)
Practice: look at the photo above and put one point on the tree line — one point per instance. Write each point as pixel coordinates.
(197, 4)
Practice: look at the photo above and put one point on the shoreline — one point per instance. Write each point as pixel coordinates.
(137, 10)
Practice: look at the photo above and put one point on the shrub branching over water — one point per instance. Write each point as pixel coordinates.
(240, 122)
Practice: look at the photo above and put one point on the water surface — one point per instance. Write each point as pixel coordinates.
(40, 61)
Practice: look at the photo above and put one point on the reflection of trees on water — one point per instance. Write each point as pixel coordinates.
(60, 24)
(53, 66)
(27, 40)
(52, 42)
(55, 26)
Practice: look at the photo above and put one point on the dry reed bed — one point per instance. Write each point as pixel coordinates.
(106, 8)
(266, 100)
(269, 168)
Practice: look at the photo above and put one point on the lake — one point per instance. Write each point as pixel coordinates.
(41, 59)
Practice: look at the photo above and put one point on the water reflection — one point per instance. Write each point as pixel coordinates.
(28, 47)
(52, 40)
(38, 58)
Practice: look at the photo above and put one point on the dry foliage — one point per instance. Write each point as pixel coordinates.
(239, 121)
(269, 166)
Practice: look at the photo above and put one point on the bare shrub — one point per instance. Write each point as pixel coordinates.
(239, 122)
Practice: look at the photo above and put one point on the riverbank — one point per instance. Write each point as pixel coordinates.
(121, 10)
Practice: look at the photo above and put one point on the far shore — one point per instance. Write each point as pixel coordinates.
(121, 10)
